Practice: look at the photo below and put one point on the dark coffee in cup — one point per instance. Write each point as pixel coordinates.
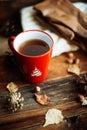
(34, 47)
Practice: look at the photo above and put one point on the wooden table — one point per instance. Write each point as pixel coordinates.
(59, 85)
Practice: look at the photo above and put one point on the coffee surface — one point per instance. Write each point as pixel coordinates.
(34, 47)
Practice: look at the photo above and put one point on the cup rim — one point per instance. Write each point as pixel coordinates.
(37, 55)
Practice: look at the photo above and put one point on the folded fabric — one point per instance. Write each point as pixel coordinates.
(29, 21)
(60, 12)
(63, 15)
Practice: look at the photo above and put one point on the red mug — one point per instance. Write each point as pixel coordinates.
(34, 67)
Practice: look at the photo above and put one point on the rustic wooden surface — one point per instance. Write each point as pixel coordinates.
(60, 86)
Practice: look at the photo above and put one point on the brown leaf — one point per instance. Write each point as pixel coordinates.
(42, 99)
(74, 68)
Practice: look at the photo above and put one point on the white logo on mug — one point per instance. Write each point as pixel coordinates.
(36, 72)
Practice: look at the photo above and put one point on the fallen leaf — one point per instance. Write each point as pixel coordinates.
(74, 68)
(53, 116)
(12, 87)
(42, 99)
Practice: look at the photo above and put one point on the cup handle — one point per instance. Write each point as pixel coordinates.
(11, 43)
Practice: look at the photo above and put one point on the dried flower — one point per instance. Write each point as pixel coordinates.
(14, 98)
(42, 99)
(15, 101)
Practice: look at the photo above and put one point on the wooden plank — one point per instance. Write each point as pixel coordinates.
(63, 94)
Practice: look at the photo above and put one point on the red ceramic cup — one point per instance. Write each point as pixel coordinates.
(34, 68)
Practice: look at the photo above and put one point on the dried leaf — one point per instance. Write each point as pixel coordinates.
(84, 102)
(74, 68)
(12, 87)
(53, 116)
(42, 99)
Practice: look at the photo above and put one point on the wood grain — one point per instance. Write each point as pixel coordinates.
(60, 86)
